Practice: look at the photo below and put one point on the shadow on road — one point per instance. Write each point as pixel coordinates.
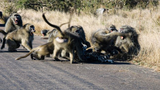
(2, 25)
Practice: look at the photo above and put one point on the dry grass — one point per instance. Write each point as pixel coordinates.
(146, 22)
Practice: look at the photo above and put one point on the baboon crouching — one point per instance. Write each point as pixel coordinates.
(23, 36)
(40, 52)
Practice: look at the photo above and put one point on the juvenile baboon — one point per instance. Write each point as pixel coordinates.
(40, 52)
(130, 45)
(23, 36)
(66, 41)
(104, 40)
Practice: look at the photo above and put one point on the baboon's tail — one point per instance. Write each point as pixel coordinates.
(3, 32)
(25, 55)
(55, 26)
(3, 42)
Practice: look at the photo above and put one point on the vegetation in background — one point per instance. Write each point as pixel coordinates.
(143, 15)
(86, 6)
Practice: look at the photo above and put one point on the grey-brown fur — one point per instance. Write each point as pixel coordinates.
(23, 36)
(70, 43)
(104, 40)
(14, 22)
(40, 52)
(129, 45)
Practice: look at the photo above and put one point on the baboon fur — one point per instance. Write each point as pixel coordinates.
(104, 39)
(129, 45)
(40, 52)
(23, 36)
(14, 22)
(66, 41)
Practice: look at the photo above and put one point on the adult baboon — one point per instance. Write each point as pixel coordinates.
(104, 40)
(40, 52)
(80, 32)
(14, 22)
(130, 45)
(66, 41)
(23, 36)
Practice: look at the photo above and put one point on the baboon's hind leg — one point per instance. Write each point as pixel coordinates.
(12, 45)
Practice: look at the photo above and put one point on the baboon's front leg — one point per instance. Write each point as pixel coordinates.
(71, 54)
(26, 45)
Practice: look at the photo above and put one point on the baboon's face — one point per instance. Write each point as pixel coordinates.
(30, 28)
(16, 18)
(112, 28)
(128, 29)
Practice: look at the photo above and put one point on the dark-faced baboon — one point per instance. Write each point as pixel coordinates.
(44, 32)
(104, 40)
(40, 52)
(66, 41)
(23, 36)
(14, 22)
(130, 45)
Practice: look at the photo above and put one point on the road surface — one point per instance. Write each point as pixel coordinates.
(27, 74)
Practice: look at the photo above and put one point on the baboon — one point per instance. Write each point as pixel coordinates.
(53, 33)
(80, 32)
(14, 22)
(129, 45)
(66, 41)
(23, 36)
(40, 52)
(112, 28)
(104, 40)
(44, 32)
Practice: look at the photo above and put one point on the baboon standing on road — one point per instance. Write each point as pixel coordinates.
(66, 41)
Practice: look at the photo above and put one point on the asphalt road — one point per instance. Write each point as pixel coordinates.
(27, 74)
